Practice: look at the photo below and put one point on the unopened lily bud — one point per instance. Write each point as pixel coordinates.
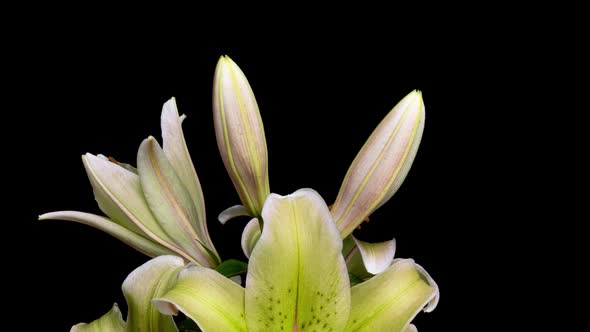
(240, 135)
(382, 164)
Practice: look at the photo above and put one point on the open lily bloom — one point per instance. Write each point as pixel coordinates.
(297, 281)
(157, 208)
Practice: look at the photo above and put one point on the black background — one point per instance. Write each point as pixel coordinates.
(98, 86)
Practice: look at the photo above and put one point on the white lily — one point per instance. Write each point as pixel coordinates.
(158, 208)
(297, 281)
(150, 280)
(240, 138)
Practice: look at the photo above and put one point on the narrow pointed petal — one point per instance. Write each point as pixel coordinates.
(111, 321)
(382, 164)
(212, 301)
(232, 212)
(377, 257)
(240, 135)
(132, 239)
(170, 202)
(148, 281)
(250, 236)
(176, 152)
(121, 191)
(390, 300)
(297, 279)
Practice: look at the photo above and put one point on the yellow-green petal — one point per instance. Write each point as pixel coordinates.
(170, 202)
(111, 322)
(211, 300)
(297, 278)
(148, 281)
(390, 300)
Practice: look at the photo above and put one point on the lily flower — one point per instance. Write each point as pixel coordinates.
(240, 138)
(297, 281)
(157, 208)
(374, 176)
(381, 166)
(150, 280)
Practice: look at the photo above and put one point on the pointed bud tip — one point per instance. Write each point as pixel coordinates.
(222, 60)
(416, 92)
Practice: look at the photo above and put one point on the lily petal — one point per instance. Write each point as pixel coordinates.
(390, 300)
(176, 152)
(122, 193)
(297, 277)
(132, 239)
(250, 236)
(212, 301)
(170, 202)
(150, 280)
(354, 260)
(411, 328)
(232, 212)
(434, 302)
(111, 321)
(107, 203)
(240, 135)
(382, 164)
(376, 256)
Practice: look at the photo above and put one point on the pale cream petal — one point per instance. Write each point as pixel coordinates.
(176, 151)
(170, 202)
(122, 191)
(250, 236)
(232, 212)
(132, 239)
(376, 256)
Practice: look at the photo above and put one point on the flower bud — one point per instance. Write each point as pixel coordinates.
(240, 135)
